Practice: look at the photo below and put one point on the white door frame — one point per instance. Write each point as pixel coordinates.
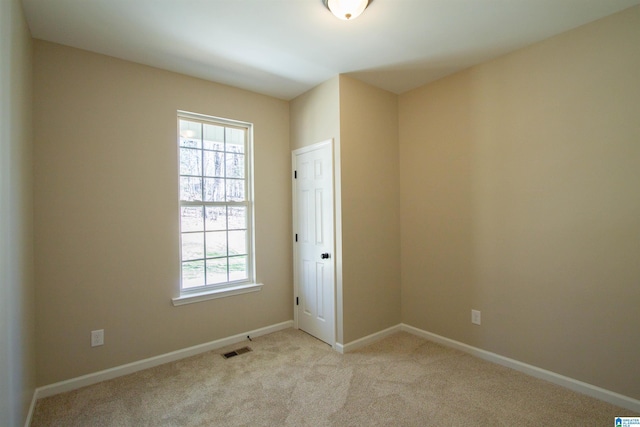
(335, 255)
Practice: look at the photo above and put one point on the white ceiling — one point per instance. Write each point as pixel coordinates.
(285, 47)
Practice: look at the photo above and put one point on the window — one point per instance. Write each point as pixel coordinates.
(215, 204)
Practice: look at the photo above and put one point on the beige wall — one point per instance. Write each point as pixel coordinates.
(315, 117)
(519, 198)
(363, 121)
(370, 208)
(106, 212)
(17, 347)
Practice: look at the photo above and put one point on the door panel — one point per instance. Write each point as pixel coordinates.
(313, 215)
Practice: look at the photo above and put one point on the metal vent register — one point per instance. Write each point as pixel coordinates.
(237, 352)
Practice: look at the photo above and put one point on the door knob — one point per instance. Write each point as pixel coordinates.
(324, 256)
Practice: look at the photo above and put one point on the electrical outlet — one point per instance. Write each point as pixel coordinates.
(97, 337)
(475, 317)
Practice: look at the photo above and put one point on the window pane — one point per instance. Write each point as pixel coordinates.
(190, 161)
(190, 134)
(237, 218)
(216, 244)
(190, 189)
(215, 230)
(216, 218)
(188, 142)
(213, 190)
(235, 190)
(235, 140)
(191, 218)
(235, 165)
(213, 137)
(192, 274)
(192, 246)
(237, 242)
(238, 268)
(216, 271)
(213, 163)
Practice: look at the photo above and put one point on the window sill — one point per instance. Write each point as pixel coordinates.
(216, 293)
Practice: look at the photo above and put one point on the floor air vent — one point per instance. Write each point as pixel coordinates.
(237, 352)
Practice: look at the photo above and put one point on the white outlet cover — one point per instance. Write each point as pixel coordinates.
(97, 337)
(475, 317)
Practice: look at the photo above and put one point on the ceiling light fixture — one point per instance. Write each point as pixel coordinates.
(346, 9)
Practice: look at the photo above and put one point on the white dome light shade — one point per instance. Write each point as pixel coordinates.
(347, 9)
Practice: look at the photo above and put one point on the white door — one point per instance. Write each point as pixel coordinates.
(313, 230)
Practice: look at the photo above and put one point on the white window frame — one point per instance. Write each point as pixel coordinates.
(219, 290)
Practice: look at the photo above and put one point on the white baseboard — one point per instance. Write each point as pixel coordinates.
(570, 383)
(32, 407)
(129, 368)
(377, 336)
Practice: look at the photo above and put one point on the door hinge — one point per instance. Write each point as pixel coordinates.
(295, 174)
(296, 237)
(297, 302)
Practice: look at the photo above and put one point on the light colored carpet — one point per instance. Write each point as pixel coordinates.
(292, 379)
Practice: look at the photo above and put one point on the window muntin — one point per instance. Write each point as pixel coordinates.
(215, 203)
